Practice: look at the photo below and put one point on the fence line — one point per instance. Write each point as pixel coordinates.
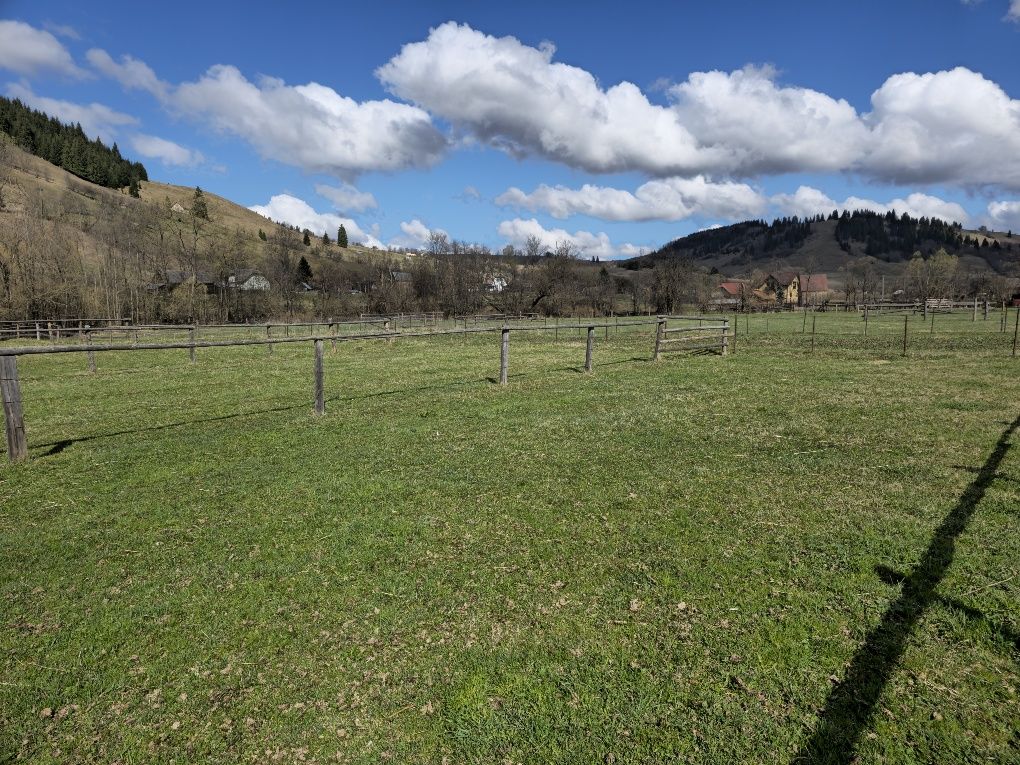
(17, 446)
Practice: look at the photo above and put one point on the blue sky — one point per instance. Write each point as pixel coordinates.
(615, 126)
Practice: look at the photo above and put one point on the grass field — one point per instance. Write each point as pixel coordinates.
(777, 556)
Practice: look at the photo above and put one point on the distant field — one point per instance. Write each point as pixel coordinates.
(777, 554)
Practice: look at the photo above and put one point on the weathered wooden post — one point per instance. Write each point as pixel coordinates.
(588, 349)
(320, 396)
(10, 393)
(90, 353)
(38, 331)
(724, 348)
(814, 317)
(192, 334)
(386, 328)
(660, 329)
(974, 317)
(926, 309)
(332, 339)
(269, 333)
(906, 318)
(1016, 330)
(504, 355)
(985, 318)
(865, 321)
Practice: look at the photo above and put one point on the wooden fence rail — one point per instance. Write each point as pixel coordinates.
(17, 447)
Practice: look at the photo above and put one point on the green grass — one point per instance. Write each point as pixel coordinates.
(660, 562)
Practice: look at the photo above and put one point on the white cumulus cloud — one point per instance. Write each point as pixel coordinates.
(947, 127)
(955, 127)
(515, 97)
(167, 152)
(752, 126)
(27, 50)
(809, 201)
(297, 212)
(414, 234)
(312, 126)
(586, 243)
(130, 72)
(346, 197)
(667, 199)
(1004, 215)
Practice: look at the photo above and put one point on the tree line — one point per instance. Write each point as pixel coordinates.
(68, 147)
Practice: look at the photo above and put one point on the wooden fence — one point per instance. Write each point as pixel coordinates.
(17, 444)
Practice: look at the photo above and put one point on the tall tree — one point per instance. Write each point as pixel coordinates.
(304, 270)
(198, 205)
(341, 236)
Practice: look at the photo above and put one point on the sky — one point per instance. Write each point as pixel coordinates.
(616, 127)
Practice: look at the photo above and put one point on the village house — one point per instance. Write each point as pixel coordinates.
(246, 279)
(789, 288)
(730, 294)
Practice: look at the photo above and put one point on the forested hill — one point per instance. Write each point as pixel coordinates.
(829, 243)
(68, 147)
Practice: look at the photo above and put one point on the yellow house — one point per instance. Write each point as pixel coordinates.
(783, 287)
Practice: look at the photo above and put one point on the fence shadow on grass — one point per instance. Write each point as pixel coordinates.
(56, 447)
(851, 704)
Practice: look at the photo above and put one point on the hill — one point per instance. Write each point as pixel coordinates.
(70, 247)
(832, 244)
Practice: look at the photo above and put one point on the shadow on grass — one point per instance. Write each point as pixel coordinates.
(56, 447)
(851, 704)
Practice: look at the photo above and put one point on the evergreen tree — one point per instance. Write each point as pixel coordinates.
(67, 146)
(325, 238)
(341, 236)
(304, 271)
(307, 239)
(262, 235)
(133, 188)
(198, 206)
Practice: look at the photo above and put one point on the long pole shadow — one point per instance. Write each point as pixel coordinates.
(851, 704)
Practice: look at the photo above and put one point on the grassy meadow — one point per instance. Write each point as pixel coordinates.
(783, 555)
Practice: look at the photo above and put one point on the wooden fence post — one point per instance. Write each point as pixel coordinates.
(724, 348)
(588, 349)
(38, 331)
(985, 312)
(10, 392)
(332, 340)
(504, 355)
(91, 353)
(865, 321)
(1016, 330)
(906, 318)
(320, 396)
(192, 335)
(269, 333)
(660, 329)
(974, 318)
(814, 317)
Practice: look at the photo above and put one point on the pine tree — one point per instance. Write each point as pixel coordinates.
(262, 235)
(198, 206)
(133, 188)
(307, 239)
(325, 238)
(341, 236)
(304, 271)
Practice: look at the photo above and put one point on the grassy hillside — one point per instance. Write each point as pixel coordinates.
(640, 565)
(37, 188)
